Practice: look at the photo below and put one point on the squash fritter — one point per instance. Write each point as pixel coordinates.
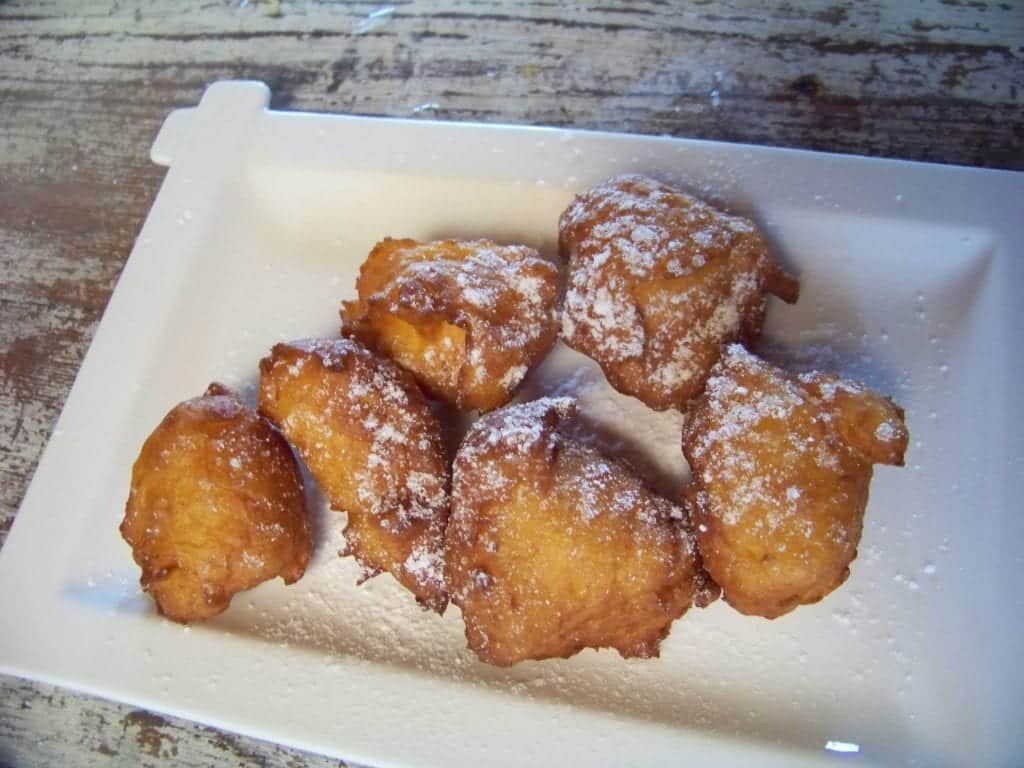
(658, 281)
(372, 442)
(553, 548)
(468, 318)
(216, 507)
(781, 468)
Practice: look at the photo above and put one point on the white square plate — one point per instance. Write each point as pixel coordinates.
(911, 277)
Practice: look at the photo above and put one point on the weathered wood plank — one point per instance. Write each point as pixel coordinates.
(84, 87)
(71, 729)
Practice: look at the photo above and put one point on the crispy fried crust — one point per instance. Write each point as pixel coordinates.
(781, 467)
(373, 444)
(658, 280)
(216, 506)
(468, 318)
(553, 548)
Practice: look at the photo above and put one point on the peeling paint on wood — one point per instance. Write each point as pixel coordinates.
(45, 726)
(84, 87)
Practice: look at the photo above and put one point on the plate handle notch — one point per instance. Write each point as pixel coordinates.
(227, 103)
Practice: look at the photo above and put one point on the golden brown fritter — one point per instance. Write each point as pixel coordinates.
(468, 318)
(216, 507)
(781, 467)
(552, 548)
(373, 444)
(658, 280)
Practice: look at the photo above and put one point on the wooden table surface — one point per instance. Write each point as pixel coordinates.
(84, 87)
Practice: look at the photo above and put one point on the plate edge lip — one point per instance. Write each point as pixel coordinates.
(603, 134)
(694, 738)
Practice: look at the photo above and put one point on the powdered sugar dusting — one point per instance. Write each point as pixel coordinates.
(757, 434)
(745, 409)
(885, 431)
(513, 376)
(369, 437)
(520, 430)
(657, 281)
(613, 325)
(501, 296)
(529, 504)
(426, 566)
(782, 465)
(533, 432)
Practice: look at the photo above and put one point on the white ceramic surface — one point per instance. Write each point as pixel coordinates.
(911, 277)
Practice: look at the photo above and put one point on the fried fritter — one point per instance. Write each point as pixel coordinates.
(781, 468)
(216, 507)
(468, 318)
(658, 280)
(552, 548)
(369, 437)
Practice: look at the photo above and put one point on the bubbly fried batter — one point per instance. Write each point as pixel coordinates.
(216, 507)
(658, 280)
(553, 548)
(468, 318)
(369, 437)
(781, 467)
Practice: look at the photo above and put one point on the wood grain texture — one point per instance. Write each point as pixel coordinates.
(48, 726)
(84, 87)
